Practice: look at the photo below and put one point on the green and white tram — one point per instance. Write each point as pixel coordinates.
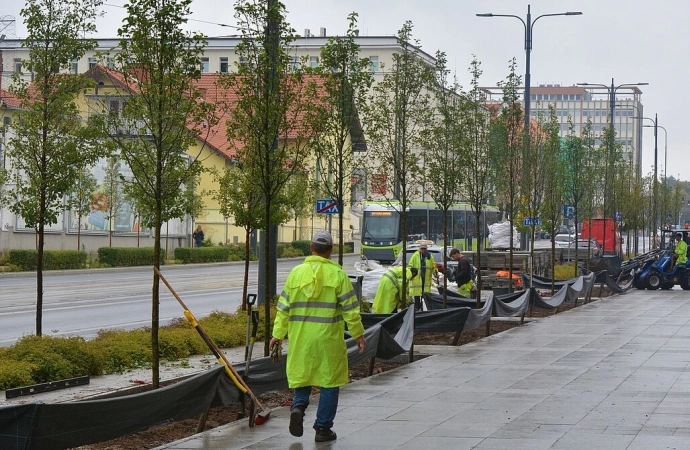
(383, 237)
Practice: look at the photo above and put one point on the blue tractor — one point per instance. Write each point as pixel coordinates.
(657, 274)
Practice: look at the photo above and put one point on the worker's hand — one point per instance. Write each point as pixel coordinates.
(361, 344)
(273, 343)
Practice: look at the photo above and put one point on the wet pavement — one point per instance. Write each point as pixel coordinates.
(612, 374)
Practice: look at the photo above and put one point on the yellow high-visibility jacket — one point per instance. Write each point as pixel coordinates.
(416, 282)
(388, 293)
(682, 251)
(316, 301)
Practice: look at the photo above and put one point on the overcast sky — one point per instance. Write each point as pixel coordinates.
(630, 41)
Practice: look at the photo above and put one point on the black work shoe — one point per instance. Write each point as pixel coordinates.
(325, 435)
(297, 421)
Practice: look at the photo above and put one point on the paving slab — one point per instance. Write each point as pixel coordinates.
(612, 374)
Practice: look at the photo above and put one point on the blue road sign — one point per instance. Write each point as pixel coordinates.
(326, 206)
(569, 211)
(527, 221)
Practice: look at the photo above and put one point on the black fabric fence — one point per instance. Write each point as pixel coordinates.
(39, 426)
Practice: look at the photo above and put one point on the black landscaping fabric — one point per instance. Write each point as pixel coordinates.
(71, 424)
(38, 425)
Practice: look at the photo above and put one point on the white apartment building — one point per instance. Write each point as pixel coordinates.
(583, 103)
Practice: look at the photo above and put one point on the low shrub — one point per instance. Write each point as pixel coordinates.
(303, 246)
(52, 259)
(188, 255)
(288, 251)
(237, 252)
(122, 350)
(15, 373)
(128, 256)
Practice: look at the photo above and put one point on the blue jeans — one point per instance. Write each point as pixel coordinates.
(328, 404)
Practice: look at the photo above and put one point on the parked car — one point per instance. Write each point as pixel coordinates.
(435, 250)
(584, 244)
(564, 240)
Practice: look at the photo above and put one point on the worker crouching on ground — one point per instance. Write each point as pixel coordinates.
(426, 266)
(462, 273)
(316, 302)
(389, 293)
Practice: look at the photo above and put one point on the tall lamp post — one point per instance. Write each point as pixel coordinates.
(612, 105)
(656, 126)
(655, 121)
(529, 26)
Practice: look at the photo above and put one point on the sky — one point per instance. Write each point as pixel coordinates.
(631, 41)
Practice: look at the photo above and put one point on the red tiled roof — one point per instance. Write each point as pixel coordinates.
(8, 100)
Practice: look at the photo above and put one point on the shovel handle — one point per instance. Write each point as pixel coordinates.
(251, 299)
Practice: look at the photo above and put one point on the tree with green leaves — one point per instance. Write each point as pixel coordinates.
(166, 116)
(398, 110)
(266, 125)
(240, 198)
(508, 138)
(111, 193)
(81, 197)
(51, 142)
(346, 78)
(443, 143)
(478, 171)
(544, 146)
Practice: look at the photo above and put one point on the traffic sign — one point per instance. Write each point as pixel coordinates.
(528, 221)
(569, 211)
(326, 206)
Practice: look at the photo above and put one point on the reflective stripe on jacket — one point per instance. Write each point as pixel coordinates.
(416, 282)
(316, 302)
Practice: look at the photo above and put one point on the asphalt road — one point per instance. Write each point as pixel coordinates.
(82, 302)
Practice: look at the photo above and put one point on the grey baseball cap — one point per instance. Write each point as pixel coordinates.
(322, 237)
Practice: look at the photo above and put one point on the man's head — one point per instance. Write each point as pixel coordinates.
(456, 255)
(322, 243)
(679, 236)
(423, 247)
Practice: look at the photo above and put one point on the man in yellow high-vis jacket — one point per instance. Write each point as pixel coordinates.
(316, 302)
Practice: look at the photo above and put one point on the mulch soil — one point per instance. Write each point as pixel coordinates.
(157, 436)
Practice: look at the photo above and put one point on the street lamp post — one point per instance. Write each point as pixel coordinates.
(612, 105)
(655, 121)
(529, 25)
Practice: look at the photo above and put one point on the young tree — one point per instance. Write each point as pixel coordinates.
(164, 110)
(346, 79)
(81, 198)
(478, 174)
(111, 194)
(544, 145)
(398, 110)
(240, 199)
(266, 125)
(50, 143)
(443, 144)
(508, 137)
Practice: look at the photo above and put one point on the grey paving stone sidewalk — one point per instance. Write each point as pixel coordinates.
(608, 375)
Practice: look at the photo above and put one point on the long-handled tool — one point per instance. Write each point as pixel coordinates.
(251, 299)
(254, 417)
(255, 326)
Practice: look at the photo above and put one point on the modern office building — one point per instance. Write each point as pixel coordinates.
(581, 104)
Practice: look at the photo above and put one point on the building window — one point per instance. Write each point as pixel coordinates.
(243, 60)
(92, 62)
(17, 65)
(114, 108)
(205, 65)
(313, 62)
(378, 183)
(294, 64)
(224, 64)
(373, 64)
(110, 62)
(74, 67)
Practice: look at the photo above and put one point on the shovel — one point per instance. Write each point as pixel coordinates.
(251, 299)
(255, 326)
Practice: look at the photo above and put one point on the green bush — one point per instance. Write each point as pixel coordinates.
(55, 358)
(288, 251)
(237, 252)
(303, 246)
(52, 259)
(202, 255)
(35, 360)
(15, 373)
(128, 256)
